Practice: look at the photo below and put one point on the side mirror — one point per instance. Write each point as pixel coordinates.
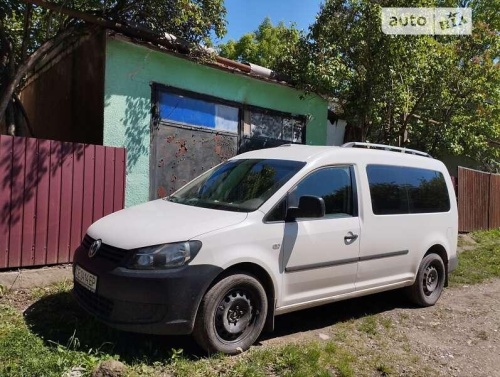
(309, 207)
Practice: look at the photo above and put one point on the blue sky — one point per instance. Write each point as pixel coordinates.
(245, 16)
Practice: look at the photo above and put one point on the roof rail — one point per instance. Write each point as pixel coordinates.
(384, 147)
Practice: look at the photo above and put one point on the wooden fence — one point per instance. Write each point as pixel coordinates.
(50, 192)
(478, 200)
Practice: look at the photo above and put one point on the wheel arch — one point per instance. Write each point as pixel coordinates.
(263, 277)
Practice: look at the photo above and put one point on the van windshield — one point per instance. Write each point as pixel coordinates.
(237, 185)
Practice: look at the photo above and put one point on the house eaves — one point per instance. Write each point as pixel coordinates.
(168, 42)
(247, 69)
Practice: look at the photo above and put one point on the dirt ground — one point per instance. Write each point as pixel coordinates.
(459, 336)
(461, 333)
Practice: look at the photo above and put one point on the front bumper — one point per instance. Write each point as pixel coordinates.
(154, 302)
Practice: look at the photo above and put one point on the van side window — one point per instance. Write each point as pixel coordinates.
(401, 190)
(334, 185)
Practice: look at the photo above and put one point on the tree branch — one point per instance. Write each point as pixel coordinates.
(26, 28)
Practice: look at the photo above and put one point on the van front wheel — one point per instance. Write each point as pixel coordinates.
(430, 280)
(231, 315)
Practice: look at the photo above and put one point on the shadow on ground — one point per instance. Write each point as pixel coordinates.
(58, 319)
(328, 315)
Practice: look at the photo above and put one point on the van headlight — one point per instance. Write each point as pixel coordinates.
(164, 256)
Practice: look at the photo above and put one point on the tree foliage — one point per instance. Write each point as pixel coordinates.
(435, 93)
(26, 28)
(268, 46)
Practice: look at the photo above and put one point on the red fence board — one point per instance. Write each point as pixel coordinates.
(5, 193)
(109, 180)
(16, 204)
(98, 211)
(66, 197)
(478, 200)
(42, 202)
(119, 198)
(77, 199)
(88, 186)
(494, 201)
(50, 192)
(29, 203)
(54, 202)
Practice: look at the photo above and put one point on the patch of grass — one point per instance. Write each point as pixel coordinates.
(368, 325)
(384, 369)
(54, 336)
(386, 322)
(487, 236)
(3, 290)
(23, 353)
(481, 263)
(404, 316)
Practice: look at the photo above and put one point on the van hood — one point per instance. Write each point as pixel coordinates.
(158, 222)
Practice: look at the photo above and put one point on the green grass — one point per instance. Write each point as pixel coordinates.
(54, 336)
(26, 353)
(368, 325)
(480, 264)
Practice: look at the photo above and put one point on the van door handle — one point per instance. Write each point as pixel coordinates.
(351, 237)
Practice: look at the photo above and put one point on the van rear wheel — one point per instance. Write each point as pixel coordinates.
(430, 280)
(231, 315)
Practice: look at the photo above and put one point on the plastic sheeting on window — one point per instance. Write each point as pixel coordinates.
(196, 112)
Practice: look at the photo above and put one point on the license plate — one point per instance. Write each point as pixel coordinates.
(86, 279)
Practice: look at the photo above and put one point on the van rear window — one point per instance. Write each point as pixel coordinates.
(401, 190)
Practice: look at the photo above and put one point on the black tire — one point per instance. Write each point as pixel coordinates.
(430, 280)
(231, 315)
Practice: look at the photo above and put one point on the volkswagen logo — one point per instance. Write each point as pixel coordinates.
(94, 248)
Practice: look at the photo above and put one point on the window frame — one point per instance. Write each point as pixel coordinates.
(284, 198)
(405, 186)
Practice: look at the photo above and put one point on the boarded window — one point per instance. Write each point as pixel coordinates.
(276, 127)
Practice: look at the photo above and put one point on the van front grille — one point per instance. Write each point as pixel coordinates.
(110, 253)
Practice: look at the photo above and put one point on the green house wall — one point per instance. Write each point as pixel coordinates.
(132, 68)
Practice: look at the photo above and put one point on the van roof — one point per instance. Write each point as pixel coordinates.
(306, 153)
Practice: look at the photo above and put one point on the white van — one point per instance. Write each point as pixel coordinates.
(269, 232)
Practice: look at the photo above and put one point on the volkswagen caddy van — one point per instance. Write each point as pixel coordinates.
(270, 232)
